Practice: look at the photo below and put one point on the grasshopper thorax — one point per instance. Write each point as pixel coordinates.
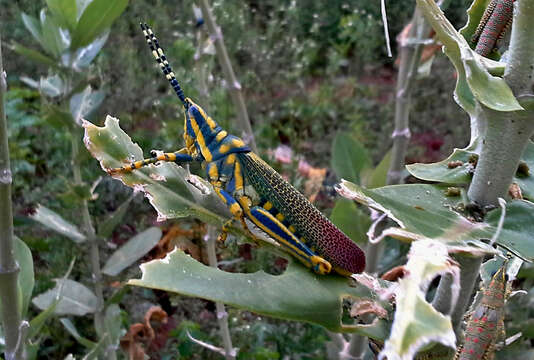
(205, 138)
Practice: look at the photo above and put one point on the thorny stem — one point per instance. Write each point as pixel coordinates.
(229, 75)
(222, 315)
(89, 230)
(9, 269)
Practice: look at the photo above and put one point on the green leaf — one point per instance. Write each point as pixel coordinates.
(55, 41)
(416, 321)
(96, 18)
(25, 280)
(38, 322)
(474, 81)
(58, 118)
(131, 251)
(106, 228)
(74, 298)
(297, 294)
(34, 55)
(84, 103)
(34, 27)
(440, 171)
(349, 157)
(379, 175)
(52, 86)
(425, 210)
(83, 56)
(351, 220)
(55, 222)
(64, 11)
(171, 189)
(71, 329)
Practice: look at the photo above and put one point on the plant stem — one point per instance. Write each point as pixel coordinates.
(229, 75)
(222, 315)
(9, 269)
(89, 230)
(506, 136)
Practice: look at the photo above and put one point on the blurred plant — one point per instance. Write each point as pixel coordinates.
(71, 34)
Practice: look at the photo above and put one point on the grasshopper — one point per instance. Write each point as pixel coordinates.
(493, 26)
(282, 212)
(486, 323)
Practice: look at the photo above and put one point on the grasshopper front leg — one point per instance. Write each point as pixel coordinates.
(180, 156)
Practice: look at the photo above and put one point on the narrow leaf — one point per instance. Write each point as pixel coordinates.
(34, 55)
(106, 228)
(133, 250)
(55, 222)
(71, 329)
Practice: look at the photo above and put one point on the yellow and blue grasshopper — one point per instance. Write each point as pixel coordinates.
(282, 212)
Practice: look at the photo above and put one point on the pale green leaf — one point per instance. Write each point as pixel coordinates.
(34, 27)
(55, 222)
(131, 251)
(379, 175)
(416, 322)
(84, 103)
(297, 294)
(74, 298)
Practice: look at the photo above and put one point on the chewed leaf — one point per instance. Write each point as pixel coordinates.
(474, 82)
(295, 295)
(426, 210)
(416, 322)
(172, 190)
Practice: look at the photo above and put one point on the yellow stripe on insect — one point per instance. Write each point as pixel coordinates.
(292, 228)
(235, 209)
(155, 53)
(238, 143)
(280, 217)
(230, 159)
(221, 135)
(211, 123)
(238, 176)
(160, 51)
(268, 206)
(200, 139)
(213, 172)
(224, 148)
